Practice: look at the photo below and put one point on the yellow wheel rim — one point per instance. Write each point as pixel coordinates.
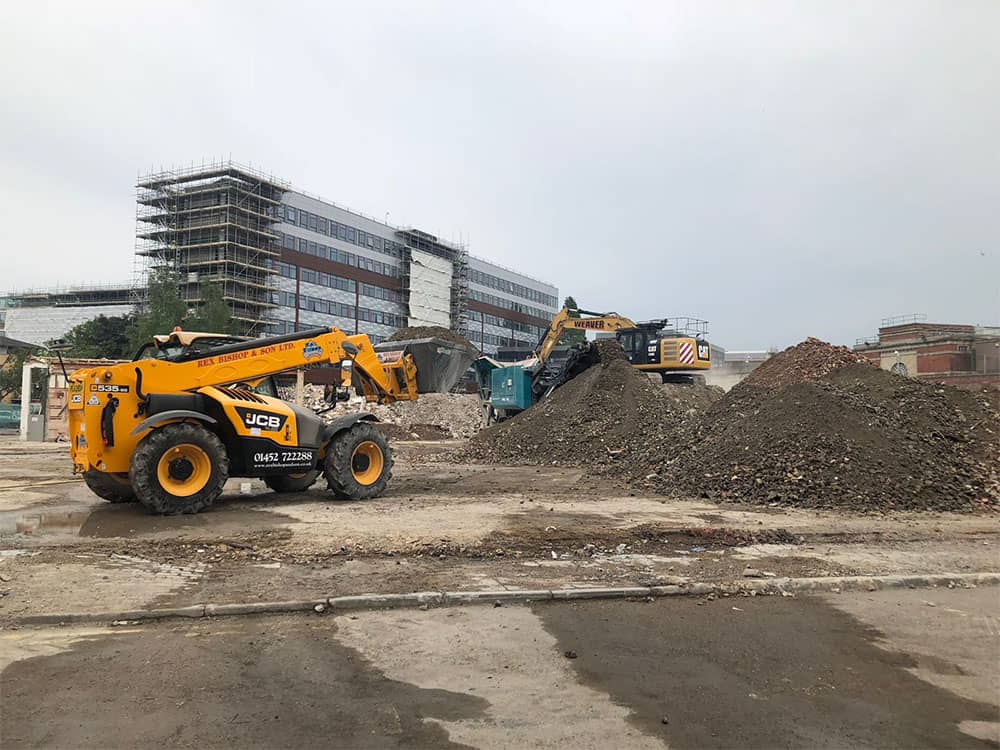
(184, 470)
(366, 463)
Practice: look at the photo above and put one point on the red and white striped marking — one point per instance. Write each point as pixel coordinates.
(685, 353)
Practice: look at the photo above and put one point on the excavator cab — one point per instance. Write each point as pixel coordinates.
(636, 342)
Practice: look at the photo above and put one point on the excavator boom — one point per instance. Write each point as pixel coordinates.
(565, 320)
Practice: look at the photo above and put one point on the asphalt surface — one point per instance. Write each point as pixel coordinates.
(842, 671)
(777, 673)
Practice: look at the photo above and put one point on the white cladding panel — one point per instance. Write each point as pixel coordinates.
(430, 290)
(39, 325)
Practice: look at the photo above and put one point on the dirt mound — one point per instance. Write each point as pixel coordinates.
(604, 420)
(691, 397)
(809, 360)
(430, 332)
(857, 437)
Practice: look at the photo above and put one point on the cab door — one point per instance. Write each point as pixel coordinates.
(634, 344)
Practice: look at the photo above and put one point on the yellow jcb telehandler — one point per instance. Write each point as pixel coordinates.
(169, 428)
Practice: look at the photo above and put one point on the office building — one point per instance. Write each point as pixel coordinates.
(286, 260)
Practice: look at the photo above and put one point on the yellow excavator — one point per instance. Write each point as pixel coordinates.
(169, 428)
(673, 348)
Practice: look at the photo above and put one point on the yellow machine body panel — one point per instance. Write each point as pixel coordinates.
(680, 354)
(253, 415)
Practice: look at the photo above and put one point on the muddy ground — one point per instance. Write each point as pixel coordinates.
(441, 526)
(891, 669)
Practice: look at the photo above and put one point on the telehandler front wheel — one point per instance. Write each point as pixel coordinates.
(179, 468)
(292, 482)
(358, 462)
(115, 488)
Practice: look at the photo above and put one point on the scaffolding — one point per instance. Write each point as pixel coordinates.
(458, 255)
(212, 224)
(72, 296)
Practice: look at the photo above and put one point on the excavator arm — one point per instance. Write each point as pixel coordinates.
(564, 320)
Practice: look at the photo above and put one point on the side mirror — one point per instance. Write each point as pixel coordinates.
(350, 349)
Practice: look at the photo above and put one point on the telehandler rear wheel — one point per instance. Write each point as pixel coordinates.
(358, 463)
(179, 468)
(115, 488)
(292, 482)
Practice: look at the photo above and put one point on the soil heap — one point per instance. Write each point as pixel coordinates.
(604, 420)
(817, 428)
(809, 360)
(431, 332)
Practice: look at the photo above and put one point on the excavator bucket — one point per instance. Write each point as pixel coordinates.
(440, 363)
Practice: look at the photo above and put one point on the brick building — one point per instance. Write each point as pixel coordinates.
(965, 356)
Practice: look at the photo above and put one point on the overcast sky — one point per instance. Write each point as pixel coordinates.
(782, 169)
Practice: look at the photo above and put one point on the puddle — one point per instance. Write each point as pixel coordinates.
(130, 520)
(49, 523)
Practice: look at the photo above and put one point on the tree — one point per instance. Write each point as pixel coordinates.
(101, 337)
(163, 311)
(572, 336)
(10, 375)
(214, 314)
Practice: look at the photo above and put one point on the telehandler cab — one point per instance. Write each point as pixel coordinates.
(169, 428)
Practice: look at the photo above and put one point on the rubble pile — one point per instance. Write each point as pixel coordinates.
(431, 332)
(414, 431)
(808, 360)
(457, 415)
(604, 419)
(433, 416)
(832, 433)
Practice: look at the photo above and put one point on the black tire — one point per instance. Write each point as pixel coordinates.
(348, 460)
(115, 488)
(292, 482)
(152, 470)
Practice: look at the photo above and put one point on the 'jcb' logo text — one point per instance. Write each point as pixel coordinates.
(262, 420)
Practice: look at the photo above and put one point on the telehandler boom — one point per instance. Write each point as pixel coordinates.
(169, 428)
